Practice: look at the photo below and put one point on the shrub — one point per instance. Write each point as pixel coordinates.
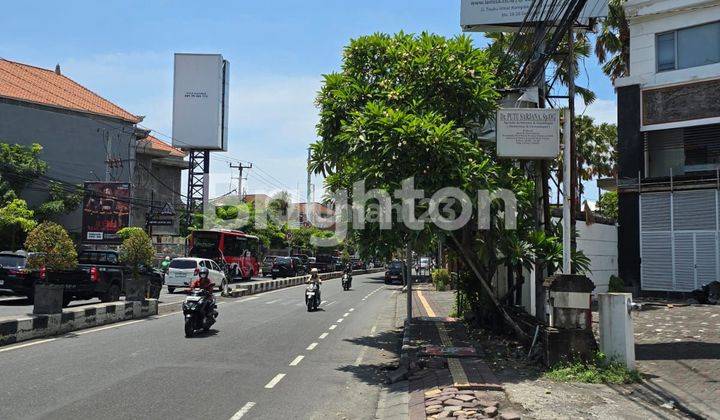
(53, 247)
(441, 278)
(616, 285)
(599, 370)
(136, 249)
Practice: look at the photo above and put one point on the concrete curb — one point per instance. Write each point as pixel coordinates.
(14, 330)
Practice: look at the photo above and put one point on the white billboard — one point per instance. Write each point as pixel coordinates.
(508, 15)
(528, 133)
(200, 102)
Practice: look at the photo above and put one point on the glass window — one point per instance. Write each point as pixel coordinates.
(666, 51)
(698, 46)
(15, 261)
(183, 264)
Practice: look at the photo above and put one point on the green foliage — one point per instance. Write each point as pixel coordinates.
(136, 249)
(612, 44)
(16, 219)
(599, 370)
(616, 285)
(127, 232)
(227, 212)
(19, 166)
(608, 205)
(62, 201)
(441, 279)
(55, 250)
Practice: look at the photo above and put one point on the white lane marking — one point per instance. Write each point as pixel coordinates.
(331, 303)
(249, 298)
(272, 301)
(311, 346)
(244, 410)
(339, 320)
(332, 327)
(19, 346)
(351, 309)
(324, 301)
(296, 360)
(274, 381)
(372, 330)
(322, 336)
(109, 327)
(346, 314)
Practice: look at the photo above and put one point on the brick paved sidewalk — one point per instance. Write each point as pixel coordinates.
(447, 379)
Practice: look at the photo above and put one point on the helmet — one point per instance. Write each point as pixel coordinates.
(167, 258)
(313, 271)
(204, 272)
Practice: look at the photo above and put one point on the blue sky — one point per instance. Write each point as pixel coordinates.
(278, 51)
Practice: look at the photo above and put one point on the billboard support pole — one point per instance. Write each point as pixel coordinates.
(198, 182)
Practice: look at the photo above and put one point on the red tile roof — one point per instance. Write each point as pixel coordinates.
(45, 87)
(154, 143)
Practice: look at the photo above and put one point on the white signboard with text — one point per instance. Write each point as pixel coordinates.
(528, 133)
(200, 102)
(494, 15)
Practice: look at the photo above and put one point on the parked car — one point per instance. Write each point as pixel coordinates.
(99, 274)
(267, 265)
(288, 267)
(395, 272)
(324, 263)
(183, 271)
(305, 260)
(358, 264)
(13, 275)
(339, 265)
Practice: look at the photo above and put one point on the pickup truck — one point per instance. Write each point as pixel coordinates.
(99, 275)
(324, 263)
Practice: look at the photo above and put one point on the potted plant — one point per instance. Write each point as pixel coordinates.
(138, 253)
(50, 250)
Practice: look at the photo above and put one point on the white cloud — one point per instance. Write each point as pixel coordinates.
(602, 110)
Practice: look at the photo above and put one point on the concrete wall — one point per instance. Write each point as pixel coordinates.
(74, 146)
(650, 17)
(599, 242)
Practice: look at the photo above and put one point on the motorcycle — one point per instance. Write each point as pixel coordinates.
(312, 297)
(346, 279)
(200, 312)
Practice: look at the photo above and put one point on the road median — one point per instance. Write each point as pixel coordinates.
(30, 327)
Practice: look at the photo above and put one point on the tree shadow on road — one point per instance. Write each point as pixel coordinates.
(378, 358)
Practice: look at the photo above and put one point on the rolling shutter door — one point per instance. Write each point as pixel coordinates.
(656, 242)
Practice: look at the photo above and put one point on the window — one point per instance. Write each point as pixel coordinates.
(183, 264)
(688, 47)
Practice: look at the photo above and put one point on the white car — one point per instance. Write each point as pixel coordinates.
(182, 272)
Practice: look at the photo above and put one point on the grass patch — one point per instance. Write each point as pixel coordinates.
(599, 371)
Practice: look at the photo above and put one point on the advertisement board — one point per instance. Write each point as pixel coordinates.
(506, 15)
(528, 133)
(200, 102)
(106, 210)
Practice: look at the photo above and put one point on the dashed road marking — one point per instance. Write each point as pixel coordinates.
(359, 359)
(296, 360)
(372, 330)
(351, 309)
(339, 320)
(311, 346)
(244, 410)
(331, 303)
(322, 336)
(346, 314)
(332, 327)
(274, 381)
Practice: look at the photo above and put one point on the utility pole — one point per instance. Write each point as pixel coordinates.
(573, 139)
(240, 169)
(308, 211)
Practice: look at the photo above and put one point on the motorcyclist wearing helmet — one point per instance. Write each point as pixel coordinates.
(203, 281)
(165, 265)
(348, 270)
(314, 279)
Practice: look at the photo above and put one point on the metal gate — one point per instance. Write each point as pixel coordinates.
(679, 240)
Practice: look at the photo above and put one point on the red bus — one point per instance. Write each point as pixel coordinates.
(237, 251)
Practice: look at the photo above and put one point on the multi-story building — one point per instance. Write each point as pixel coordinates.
(86, 138)
(669, 146)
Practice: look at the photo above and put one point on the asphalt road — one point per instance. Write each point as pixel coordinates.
(11, 305)
(266, 358)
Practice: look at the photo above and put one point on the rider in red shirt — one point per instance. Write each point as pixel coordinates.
(203, 282)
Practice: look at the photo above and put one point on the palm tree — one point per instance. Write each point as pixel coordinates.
(612, 46)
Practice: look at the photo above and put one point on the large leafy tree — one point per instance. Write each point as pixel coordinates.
(16, 219)
(411, 106)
